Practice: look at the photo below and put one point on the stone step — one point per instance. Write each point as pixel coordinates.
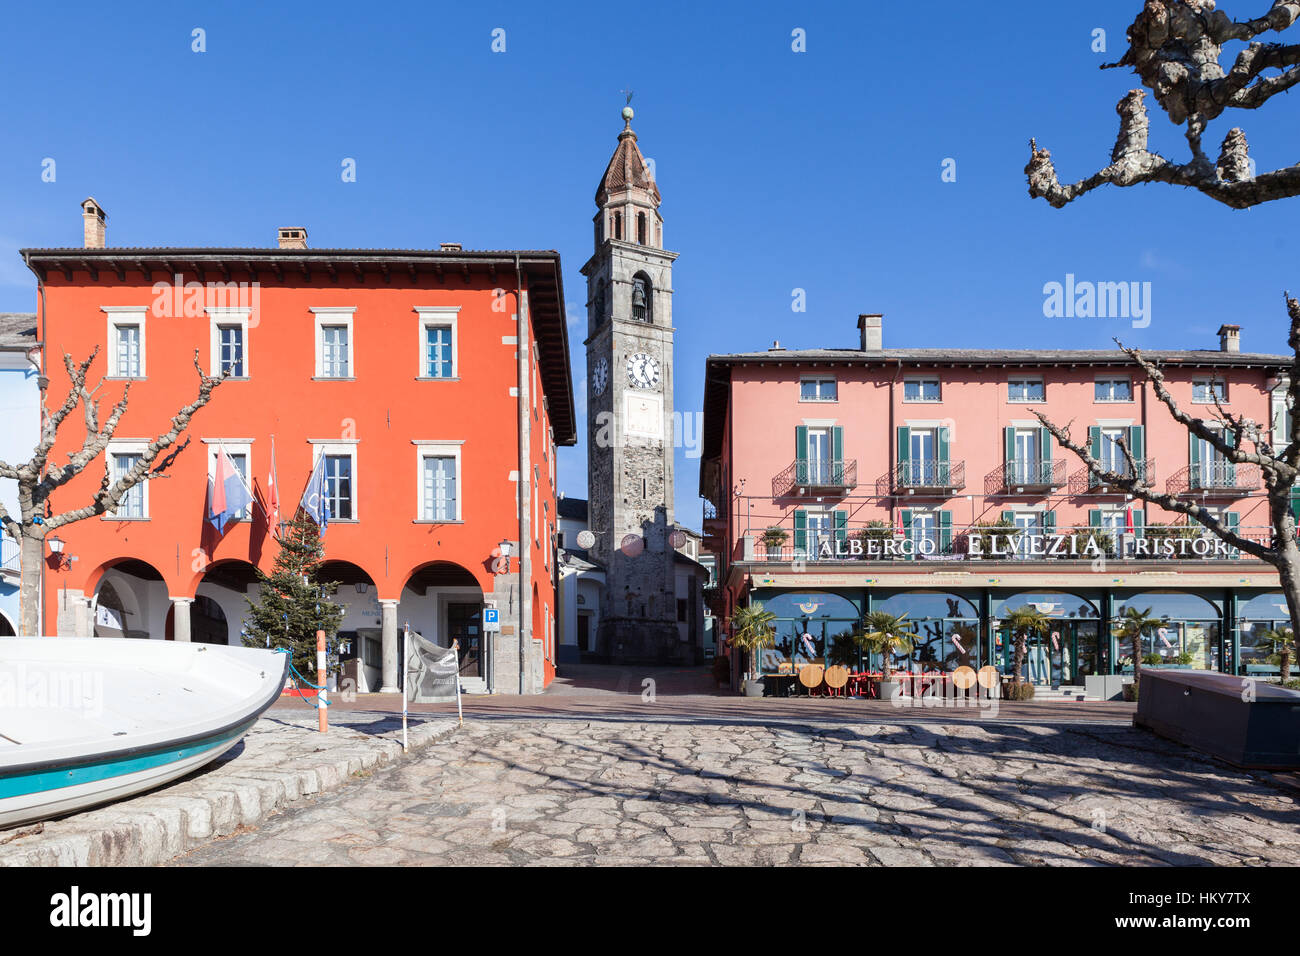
(473, 685)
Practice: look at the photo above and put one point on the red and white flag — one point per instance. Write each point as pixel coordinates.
(272, 496)
(898, 521)
(1128, 520)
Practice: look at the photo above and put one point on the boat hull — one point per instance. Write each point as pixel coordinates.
(163, 712)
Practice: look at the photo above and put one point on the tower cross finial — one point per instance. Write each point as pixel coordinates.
(628, 93)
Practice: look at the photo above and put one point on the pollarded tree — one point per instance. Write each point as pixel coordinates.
(1176, 48)
(39, 479)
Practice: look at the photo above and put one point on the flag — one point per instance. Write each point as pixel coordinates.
(272, 496)
(898, 522)
(1128, 520)
(315, 498)
(227, 493)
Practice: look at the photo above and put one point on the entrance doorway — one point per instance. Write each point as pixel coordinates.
(584, 633)
(1067, 655)
(465, 624)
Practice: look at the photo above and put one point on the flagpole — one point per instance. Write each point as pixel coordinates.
(406, 674)
(460, 714)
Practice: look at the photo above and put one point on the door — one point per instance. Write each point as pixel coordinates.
(1029, 526)
(584, 633)
(465, 624)
(820, 531)
(819, 456)
(922, 458)
(1025, 469)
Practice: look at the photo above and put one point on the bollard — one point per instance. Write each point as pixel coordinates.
(322, 698)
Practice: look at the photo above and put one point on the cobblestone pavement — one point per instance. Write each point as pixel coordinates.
(828, 787)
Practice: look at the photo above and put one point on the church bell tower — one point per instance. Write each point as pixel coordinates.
(630, 412)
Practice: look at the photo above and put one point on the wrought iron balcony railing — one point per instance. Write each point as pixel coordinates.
(929, 474)
(1083, 481)
(1214, 477)
(824, 474)
(1025, 473)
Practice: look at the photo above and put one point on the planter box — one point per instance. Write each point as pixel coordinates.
(1205, 711)
(1106, 686)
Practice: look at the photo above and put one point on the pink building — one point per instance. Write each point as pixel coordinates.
(918, 481)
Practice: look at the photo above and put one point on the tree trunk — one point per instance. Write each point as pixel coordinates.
(1285, 665)
(1018, 661)
(1288, 572)
(31, 555)
(1136, 648)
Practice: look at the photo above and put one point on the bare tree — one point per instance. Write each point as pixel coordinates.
(1175, 47)
(38, 478)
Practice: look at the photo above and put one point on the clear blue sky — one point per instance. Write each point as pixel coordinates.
(779, 170)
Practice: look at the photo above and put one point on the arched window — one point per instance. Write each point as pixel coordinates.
(640, 228)
(618, 225)
(642, 309)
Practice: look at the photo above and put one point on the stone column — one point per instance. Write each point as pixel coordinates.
(388, 626)
(181, 619)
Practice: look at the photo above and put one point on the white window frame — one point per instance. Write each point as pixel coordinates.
(1111, 380)
(1214, 384)
(434, 448)
(1280, 415)
(127, 448)
(331, 316)
(233, 446)
(338, 446)
(438, 317)
(1035, 379)
(819, 379)
(218, 317)
(122, 315)
(922, 379)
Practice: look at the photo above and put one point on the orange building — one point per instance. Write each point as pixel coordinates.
(435, 383)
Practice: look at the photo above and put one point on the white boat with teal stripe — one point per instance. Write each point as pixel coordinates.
(85, 721)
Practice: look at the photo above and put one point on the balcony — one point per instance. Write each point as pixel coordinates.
(805, 475)
(1084, 482)
(928, 475)
(1020, 475)
(1215, 478)
(9, 555)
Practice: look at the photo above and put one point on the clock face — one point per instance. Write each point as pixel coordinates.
(600, 376)
(643, 370)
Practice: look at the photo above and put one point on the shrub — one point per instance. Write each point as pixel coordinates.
(1022, 691)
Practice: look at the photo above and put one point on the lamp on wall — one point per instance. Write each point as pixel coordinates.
(507, 548)
(62, 561)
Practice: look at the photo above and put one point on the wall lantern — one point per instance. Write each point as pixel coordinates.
(55, 543)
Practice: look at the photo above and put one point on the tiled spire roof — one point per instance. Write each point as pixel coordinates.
(627, 169)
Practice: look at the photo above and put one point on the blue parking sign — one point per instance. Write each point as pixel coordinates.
(491, 619)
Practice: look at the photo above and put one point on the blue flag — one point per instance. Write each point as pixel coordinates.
(315, 499)
(228, 496)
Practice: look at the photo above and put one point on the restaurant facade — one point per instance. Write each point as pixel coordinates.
(838, 482)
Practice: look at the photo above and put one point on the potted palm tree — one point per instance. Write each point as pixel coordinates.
(1022, 623)
(1135, 625)
(751, 631)
(774, 540)
(887, 634)
(1283, 640)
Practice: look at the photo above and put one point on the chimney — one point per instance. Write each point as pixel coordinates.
(871, 326)
(1230, 338)
(95, 221)
(450, 246)
(292, 237)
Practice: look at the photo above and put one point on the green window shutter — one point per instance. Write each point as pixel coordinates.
(1094, 441)
(1094, 518)
(942, 443)
(800, 531)
(1049, 522)
(1139, 521)
(1295, 503)
(1045, 443)
(837, 455)
(801, 452)
(841, 528)
(1193, 450)
(1137, 443)
(1009, 517)
(945, 532)
(904, 443)
(1009, 445)
(907, 521)
(1230, 467)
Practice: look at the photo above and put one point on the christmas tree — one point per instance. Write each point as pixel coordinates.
(294, 604)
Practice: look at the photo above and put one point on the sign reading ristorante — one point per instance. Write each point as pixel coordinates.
(1025, 545)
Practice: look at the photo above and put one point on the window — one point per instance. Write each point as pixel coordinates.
(1205, 391)
(1025, 390)
(135, 503)
(334, 352)
(820, 463)
(1113, 390)
(439, 488)
(820, 532)
(1111, 457)
(338, 486)
(818, 390)
(921, 390)
(228, 342)
(1026, 466)
(438, 342)
(640, 228)
(126, 341)
(641, 299)
(925, 528)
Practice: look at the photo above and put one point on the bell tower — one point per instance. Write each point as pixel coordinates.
(630, 412)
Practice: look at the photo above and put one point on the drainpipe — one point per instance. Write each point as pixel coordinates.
(523, 346)
(42, 383)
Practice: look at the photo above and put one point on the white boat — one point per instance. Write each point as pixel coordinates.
(85, 721)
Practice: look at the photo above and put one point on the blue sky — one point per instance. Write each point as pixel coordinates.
(779, 170)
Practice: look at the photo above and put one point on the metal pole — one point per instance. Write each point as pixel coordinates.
(404, 675)
(460, 714)
(322, 696)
